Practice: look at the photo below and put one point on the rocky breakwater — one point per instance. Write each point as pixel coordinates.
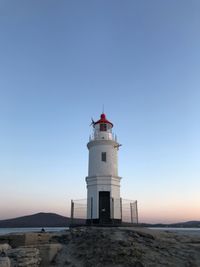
(101, 246)
(134, 247)
(19, 256)
(28, 249)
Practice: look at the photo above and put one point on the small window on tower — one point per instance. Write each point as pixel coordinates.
(103, 127)
(103, 156)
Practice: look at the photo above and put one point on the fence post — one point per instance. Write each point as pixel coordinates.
(91, 209)
(131, 208)
(72, 211)
(121, 207)
(136, 207)
(112, 202)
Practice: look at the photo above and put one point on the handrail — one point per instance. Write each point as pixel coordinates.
(108, 136)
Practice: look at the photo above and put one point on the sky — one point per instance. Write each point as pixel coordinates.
(60, 62)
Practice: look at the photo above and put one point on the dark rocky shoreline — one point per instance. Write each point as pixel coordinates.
(100, 246)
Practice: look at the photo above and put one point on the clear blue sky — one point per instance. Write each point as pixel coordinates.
(60, 61)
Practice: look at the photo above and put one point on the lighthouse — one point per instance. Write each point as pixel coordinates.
(103, 182)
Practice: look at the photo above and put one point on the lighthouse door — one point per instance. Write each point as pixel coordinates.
(104, 207)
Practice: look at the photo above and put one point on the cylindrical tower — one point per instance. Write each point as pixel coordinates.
(103, 182)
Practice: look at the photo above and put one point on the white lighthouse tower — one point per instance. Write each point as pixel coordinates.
(103, 182)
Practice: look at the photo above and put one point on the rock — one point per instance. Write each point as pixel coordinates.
(24, 257)
(138, 264)
(48, 253)
(4, 247)
(4, 262)
(134, 247)
(104, 247)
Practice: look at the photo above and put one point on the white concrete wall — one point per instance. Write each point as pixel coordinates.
(97, 167)
(103, 183)
(92, 193)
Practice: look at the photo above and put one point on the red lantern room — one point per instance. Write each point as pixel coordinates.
(103, 129)
(103, 123)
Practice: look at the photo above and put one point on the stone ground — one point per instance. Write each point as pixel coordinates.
(101, 247)
(116, 247)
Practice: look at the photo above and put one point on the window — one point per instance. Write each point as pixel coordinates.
(103, 156)
(103, 127)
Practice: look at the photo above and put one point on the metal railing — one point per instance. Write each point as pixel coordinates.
(100, 136)
(127, 211)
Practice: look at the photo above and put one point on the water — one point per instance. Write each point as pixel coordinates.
(180, 231)
(4, 231)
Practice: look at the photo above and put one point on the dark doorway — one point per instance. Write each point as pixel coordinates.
(104, 207)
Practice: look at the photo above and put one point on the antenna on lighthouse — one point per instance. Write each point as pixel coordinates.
(103, 109)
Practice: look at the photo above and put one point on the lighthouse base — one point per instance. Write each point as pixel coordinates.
(103, 200)
(110, 222)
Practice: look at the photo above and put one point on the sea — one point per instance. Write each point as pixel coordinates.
(4, 231)
(181, 231)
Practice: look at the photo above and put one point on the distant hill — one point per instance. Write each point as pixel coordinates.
(54, 220)
(38, 220)
(190, 224)
(186, 224)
